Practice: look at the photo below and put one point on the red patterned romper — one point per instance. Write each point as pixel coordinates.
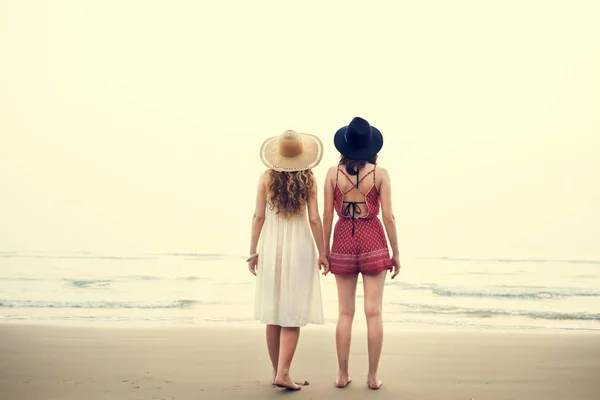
(359, 242)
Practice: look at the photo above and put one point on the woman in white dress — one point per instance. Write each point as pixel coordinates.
(286, 263)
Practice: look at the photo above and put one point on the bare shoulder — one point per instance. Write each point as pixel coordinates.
(382, 178)
(382, 172)
(331, 172)
(314, 177)
(264, 177)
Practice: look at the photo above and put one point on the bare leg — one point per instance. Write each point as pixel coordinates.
(373, 286)
(273, 335)
(289, 341)
(346, 286)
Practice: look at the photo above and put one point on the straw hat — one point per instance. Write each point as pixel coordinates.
(291, 151)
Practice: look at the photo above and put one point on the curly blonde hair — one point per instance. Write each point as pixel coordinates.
(288, 192)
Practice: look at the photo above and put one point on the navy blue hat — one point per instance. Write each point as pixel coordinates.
(358, 140)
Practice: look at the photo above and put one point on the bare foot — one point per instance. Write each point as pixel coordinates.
(374, 382)
(305, 383)
(286, 382)
(342, 381)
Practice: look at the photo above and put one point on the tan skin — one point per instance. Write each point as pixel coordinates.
(372, 284)
(282, 341)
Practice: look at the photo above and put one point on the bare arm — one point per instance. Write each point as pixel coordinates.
(328, 212)
(315, 221)
(258, 219)
(389, 221)
(317, 229)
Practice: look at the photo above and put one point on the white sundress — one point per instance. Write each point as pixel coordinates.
(288, 289)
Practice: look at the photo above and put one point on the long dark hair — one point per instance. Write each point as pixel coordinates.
(353, 166)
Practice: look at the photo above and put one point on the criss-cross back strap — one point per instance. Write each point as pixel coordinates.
(355, 186)
(351, 208)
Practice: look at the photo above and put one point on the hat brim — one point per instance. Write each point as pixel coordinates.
(310, 157)
(363, 153)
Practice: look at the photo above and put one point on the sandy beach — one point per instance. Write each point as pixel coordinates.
(49, 362)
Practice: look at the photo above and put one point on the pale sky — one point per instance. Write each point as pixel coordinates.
(134, 126)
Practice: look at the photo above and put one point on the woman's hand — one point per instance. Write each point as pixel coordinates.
(324, 264)
(396, 264)
(252, 265)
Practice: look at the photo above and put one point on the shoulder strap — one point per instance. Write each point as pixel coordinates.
(346, 175)
(367, 174)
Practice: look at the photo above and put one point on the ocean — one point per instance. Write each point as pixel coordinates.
(195, 289)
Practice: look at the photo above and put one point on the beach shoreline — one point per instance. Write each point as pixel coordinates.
(328, 326)
(453, 326)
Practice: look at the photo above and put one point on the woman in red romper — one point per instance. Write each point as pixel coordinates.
(357, 189)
